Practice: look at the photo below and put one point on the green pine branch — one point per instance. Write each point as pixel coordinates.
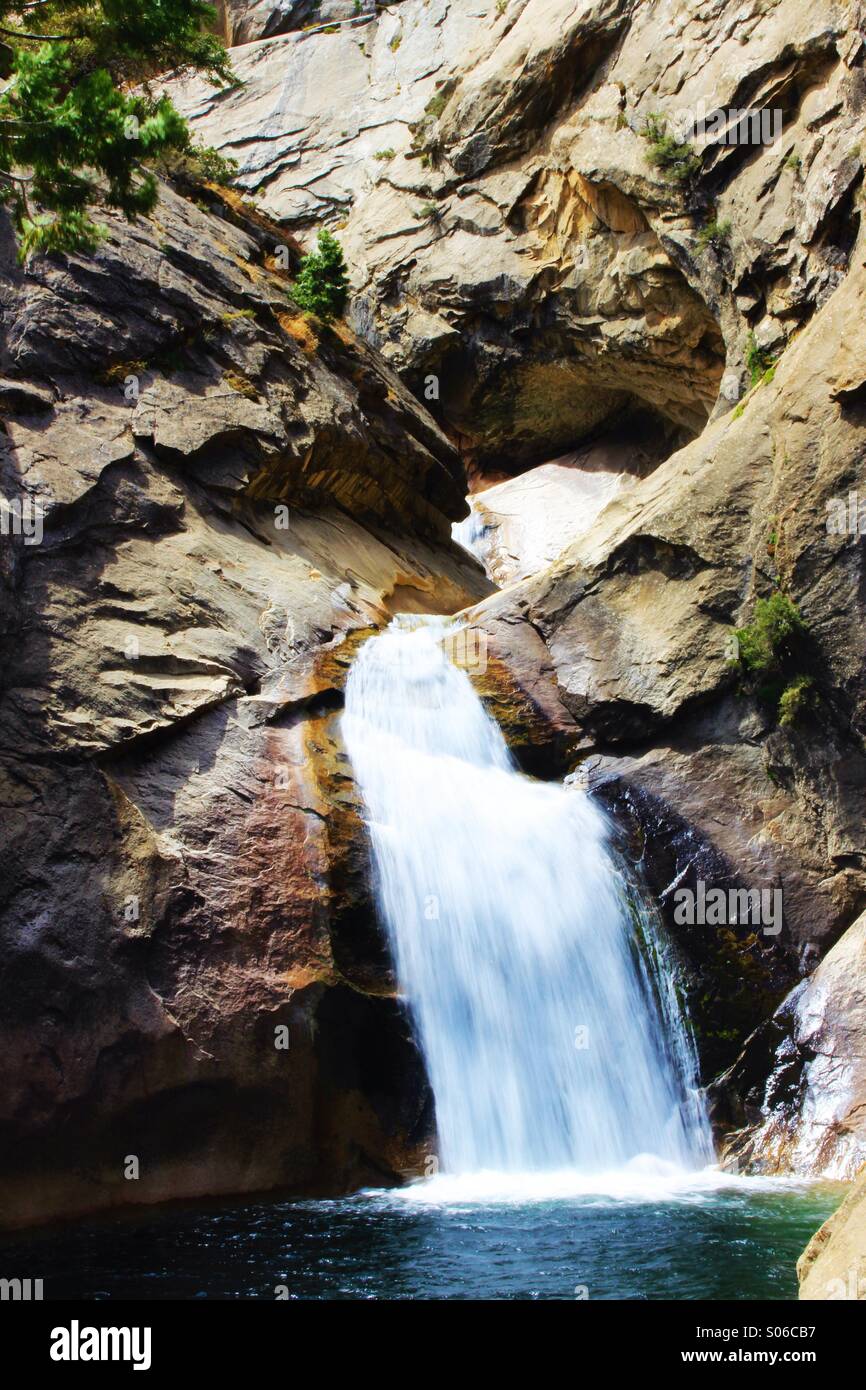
(77, 115)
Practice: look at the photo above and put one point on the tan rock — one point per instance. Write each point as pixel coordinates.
(833, 1265)
(513, 237)
(519, 526)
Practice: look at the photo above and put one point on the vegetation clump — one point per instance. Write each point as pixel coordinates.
(425, 141)
(115, 373)
(770, 649)
(716, 234)
(759, 364)
(77, 119)
(796, 699)
(300, 328)
(675, 158)
(436, 105)
(195, 165)
(242, 384)
(761, 368)
(322, 286)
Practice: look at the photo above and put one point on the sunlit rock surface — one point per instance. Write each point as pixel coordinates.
(814, 1102)
(833, 1265)
(519, 526)
(487, 173)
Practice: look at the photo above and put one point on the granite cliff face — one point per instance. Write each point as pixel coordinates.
(188, 861)
(191, 968)
(487, 169)
(636, 618)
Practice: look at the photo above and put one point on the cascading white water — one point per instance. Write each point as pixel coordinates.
(545, 1042)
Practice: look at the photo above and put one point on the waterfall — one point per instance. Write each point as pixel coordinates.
(553, 1039)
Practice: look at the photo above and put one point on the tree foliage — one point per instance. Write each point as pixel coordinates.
(195, 165)
(322, 286)
(77, 118)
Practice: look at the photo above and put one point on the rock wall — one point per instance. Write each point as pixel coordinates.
(192, 973)
(512, 243)
(487, 170)
(636, 617)
(245, 21)
(809, 1115)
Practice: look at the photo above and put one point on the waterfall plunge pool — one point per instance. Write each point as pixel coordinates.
(673, 1236)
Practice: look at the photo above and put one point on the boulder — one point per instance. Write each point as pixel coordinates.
(244, 21)
(833, 1265)
(813, 1106)
(518, 526)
